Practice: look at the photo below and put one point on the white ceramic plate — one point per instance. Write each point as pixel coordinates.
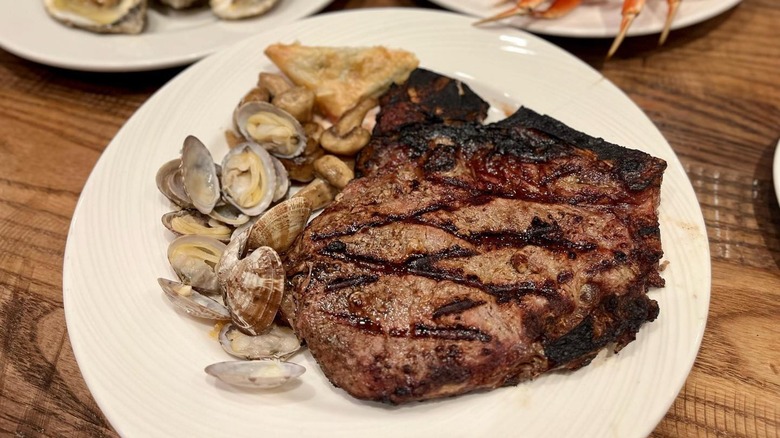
(776, 171)
(598, 18)
(143, 361)
(170, 39)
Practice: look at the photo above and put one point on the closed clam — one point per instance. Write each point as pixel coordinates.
(249, 178)
(253, 290)
(199, 172)
(192, 302)
(277, 342)
(271, 127)
(256, 374)
(194, 259)
(184, 222)
(280, 225)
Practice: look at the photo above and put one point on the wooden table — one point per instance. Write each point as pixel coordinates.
(713, 90)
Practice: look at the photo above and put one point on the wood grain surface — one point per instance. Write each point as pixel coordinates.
(713, 90)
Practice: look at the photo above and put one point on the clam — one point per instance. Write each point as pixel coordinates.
(256, 374)
(194, 259)
(193, 303)
(279, 226)
(234, 252)
(229, 214)
(282, 180)
(236, 9)
(275, 343)
(185, 222)
(201, 180)
(101, 16)
(171, 184)
(249, 178)
(271, 127)
(253, 290)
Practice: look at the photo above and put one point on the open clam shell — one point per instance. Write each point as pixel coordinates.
(248, 178)
(256, 374)
(273, 128)
(280, 225)
(275, 343)
(119, 16)
(171, 184)
(194, 259)
(186, 222)
(199, 172)
(193, 303)
(229, 214)
(254, 289)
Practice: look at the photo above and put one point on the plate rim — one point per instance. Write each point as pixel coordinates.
(112, 147)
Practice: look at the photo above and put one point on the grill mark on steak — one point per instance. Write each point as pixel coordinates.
(456, 307)
(456, 333)
(469, 256)
(422, 265)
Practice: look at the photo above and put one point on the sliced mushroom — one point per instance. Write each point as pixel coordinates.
(301, 168)
(276, 84)
(298, 101)
(333, 170)
(256, 94)
(319, 193)
(347, 136)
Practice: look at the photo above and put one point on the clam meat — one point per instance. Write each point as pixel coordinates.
(193, 222)
(248, 178)
(256, 374)
(194, 259)
(237, 9)
(101, 16)
(271, 127)
(193, 303)
(278, 342)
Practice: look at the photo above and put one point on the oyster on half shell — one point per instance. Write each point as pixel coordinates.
(237, 9)
(101, 16)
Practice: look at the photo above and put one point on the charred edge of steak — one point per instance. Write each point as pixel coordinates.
(616, 320)
(636, 168)
(425, 98)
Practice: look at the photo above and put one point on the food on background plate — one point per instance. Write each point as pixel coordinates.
(112, 16)
(129, 16)
(464, 256)
(558, 8)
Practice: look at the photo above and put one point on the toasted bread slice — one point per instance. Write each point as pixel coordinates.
(342, 76)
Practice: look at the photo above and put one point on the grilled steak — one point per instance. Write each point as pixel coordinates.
(472, 256)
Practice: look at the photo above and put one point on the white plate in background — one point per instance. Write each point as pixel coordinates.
(143, 361)
(171, 38)
(597, 18)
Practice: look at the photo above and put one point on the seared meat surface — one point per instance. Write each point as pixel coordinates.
(472, 256)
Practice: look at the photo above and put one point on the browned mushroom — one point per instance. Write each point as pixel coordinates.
(256, 94)
(347, 136)
(333, 170)
(319, 193)
(276, 84)
(233, 139)
(298, 101)
(301, 168)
